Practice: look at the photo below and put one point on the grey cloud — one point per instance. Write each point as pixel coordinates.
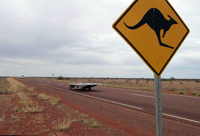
(42, 37)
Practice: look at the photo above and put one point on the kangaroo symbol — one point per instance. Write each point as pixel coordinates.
(155, 19)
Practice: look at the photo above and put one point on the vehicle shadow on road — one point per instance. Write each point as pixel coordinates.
(82, 90)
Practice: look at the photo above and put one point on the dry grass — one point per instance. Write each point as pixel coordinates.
(3, 86)
(3, 91)
(2, 118)
(52, 100)
(25, 100)
(28, 105)
(15, 86)
(43, 96)
(64, 125)
(83, 116)
(95, 125)
(16, 109)
(31, 89)
(33, 109)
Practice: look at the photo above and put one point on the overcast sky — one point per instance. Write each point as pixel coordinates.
(75, 38)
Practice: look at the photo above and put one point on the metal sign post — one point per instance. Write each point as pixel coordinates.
(158, 104)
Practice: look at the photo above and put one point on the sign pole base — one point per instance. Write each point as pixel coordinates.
(158, 104)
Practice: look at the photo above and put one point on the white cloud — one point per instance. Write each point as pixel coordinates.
(75, 38)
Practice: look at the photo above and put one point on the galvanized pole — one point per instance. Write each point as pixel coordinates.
(158, 104)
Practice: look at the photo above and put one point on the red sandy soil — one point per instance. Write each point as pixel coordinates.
(43, 123)
(114, 120)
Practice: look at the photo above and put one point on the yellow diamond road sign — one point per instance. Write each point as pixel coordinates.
(154, 30)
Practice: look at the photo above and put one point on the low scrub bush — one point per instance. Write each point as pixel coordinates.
(3, 91)
(27, 102)
(2, 118)
(83, 116)
(172, 89)
(148, 88)
(193, 93)
(33, 109)
(95, 125)
(16, 109)
(181, 92)
(43, 96)
(92, 120)
(54, 100)
(25, 99)
(31, 89)
(197, 80)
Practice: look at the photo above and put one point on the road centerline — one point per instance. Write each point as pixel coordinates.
(122, 104)
(142, 95)
(105, 100)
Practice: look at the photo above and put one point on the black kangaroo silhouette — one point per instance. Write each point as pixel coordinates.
(155, 19)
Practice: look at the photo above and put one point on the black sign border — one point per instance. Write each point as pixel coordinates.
(127, 10)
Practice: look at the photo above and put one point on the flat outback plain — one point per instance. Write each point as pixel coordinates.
(190, 87)
(30, 107)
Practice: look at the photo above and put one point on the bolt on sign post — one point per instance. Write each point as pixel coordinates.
(154, 30)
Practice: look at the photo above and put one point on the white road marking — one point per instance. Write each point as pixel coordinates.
(181, 118)
(143, 95)
(94, 97)
(154, 93)
(41, 84)
(194, 121)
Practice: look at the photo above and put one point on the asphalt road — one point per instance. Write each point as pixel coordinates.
(182, 108)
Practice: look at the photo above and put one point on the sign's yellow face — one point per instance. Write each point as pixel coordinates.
(154, 30)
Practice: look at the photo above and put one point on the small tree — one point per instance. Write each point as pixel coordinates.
(172, 78)
(60, 78)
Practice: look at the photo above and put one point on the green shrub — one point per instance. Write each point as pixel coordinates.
(92, 120)
(95, 125)
(193, 93)
(172, 89)
(197, 80)
(4, 91)
(83, 116)
(181, 92)
(147, 88)
(16, 109)
(60, 78)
